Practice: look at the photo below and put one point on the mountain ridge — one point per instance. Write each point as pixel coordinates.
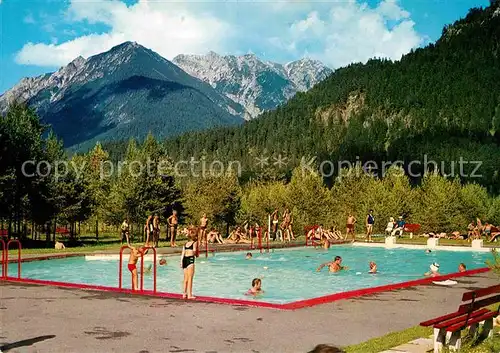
(256, 84)
(126, 91)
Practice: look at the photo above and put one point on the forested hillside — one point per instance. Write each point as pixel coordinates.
(442, 101)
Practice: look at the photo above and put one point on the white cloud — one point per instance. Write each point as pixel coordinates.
(353, 32)
(166, 28)
(337, 33)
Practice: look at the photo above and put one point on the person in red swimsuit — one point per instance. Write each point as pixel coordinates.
(132, 262)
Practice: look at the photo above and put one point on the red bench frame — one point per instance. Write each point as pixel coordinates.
(412, 227)
(62, 230)
(449, 327)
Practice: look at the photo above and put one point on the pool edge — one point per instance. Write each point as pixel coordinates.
(259, 304)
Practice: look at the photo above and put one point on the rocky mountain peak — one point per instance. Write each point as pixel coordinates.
(256, 84)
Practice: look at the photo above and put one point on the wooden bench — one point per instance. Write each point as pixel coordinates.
(448, 328)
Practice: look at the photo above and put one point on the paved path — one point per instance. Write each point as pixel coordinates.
(69, 320)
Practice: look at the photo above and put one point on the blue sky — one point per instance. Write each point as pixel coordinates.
(39, 36)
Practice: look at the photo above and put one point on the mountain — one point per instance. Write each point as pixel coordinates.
(124, 92)
(438, 103)
(255, 84)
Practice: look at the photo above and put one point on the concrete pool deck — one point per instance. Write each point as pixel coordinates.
(53, 319)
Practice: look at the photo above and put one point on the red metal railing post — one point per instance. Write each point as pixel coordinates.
(142, 271)
(19, 247)
(120, 270)
(5, 255)
(206, 246)
(267, 240)
(154, 268)
(260, 240)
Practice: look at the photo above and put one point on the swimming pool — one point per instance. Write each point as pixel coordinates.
(288, 275)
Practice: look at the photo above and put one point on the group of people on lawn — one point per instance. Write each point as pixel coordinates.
(325, 236)
(475, 230)
(239, 234)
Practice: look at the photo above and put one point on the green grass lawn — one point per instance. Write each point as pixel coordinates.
(395, 339)
(390, 340)
(111, 241)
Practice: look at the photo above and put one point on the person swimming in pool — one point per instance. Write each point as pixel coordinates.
(373, 267)
(462, 267)
(135, 253)
(333, 266)
(434, 270)
(248, 256)
(256, 287)
(161, 262)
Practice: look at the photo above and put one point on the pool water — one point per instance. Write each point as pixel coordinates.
(287, 275)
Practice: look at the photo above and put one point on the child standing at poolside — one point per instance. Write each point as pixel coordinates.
(256, 287)
(132, 262)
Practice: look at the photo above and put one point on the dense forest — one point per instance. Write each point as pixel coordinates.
(41, 188)
(442, 102)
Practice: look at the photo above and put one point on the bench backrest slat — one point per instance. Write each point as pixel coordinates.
(479, 304)
(481, 292)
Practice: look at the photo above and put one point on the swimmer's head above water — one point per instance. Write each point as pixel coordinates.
(248, 255)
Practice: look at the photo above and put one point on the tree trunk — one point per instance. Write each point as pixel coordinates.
(96, 230)
(47, 238)
(79, 223)
(25, 225)
(55, 228)
(10, 227)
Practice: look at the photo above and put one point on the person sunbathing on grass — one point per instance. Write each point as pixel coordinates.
(333, 266)
(236, 236)
(337, 234)
(214, 236)
(495, 233)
